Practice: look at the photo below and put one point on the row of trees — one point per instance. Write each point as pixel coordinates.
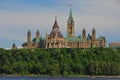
(57, 62)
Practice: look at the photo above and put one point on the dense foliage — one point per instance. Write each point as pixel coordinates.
(57, 62)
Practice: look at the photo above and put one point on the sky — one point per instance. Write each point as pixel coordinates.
(18, 16)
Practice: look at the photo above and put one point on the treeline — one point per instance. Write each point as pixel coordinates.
(60, 62)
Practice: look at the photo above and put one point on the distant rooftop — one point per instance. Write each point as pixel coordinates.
(115, 43)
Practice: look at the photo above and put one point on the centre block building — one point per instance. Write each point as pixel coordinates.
(56, 40)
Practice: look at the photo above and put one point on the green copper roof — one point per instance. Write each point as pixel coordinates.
(75, 39)
(24, 44)
(70, 15)
(37, 30)
(37, 40)
(100, 38)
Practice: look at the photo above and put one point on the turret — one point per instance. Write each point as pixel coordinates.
(84, 33)
(14, 46)
(28, 38)
(93, 36)
(37, 34)
(46, 36)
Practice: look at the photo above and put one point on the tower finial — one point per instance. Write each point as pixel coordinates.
(29, 30)
(70, 13)
(70, 5)
(55, 23)
(70, 23)
(55, 17)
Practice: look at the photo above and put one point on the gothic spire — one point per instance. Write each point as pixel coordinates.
(55, 23)
(70, 15)
(70, 24)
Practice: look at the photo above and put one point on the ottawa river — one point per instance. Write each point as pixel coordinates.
(51, 78)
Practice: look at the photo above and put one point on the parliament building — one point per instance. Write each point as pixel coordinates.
(56, 40)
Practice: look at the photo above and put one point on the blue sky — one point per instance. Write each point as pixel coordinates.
(17, 16)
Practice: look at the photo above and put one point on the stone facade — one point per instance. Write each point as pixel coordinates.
(82, 41)
(114, 45)
(56, 40)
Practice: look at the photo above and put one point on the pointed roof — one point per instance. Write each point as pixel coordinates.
(89, 37)
(14, 46)
(55, 24)
(70, 15)
(37, 30)
(93, 30)
(55, 31)
(29, 30)
(84, 29)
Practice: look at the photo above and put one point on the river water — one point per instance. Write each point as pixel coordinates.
(51, 78)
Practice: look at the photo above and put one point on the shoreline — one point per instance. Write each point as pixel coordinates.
(81, 76)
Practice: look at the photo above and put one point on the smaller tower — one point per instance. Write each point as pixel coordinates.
(14, 46)
(104, 42)
(84, 33)
(37, 34)
(46, 41)
(93, 37)
(28, 38)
